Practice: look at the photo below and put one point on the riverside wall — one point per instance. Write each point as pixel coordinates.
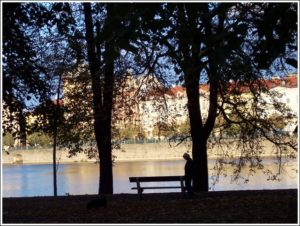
(128, 152)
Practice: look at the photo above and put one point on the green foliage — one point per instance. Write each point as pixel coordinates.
(131, 132)
(22, 78)
(278, 121)
(39, 139)
(162, 129)
(275, 28)
(233, 130)
(8, 140)
(184, 128)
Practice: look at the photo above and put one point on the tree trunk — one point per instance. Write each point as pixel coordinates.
(201, 180)
(57, 108)
(22, 124)
(199, 139)
(198, 132)
(54, 164)
(101, 106)
(106, 174)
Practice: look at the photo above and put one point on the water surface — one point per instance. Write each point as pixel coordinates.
(83, 178)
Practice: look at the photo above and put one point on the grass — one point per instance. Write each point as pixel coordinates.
(253, 206)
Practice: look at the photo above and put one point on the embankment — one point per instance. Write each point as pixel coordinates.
(128, 152)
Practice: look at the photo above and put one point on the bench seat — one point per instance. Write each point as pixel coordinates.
(139, 180)
(165, 187)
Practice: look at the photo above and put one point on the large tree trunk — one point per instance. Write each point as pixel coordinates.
(106, 174)
(199, 139)
(200, 131)
(101, 106)
(201, 179)
(191, 66)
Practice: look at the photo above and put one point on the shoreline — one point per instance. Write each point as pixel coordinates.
(91, 161)
(128, 153)
(117, 161)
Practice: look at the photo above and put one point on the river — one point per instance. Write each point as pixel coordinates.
(82, 178)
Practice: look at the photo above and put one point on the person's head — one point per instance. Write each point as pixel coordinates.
(186, 156)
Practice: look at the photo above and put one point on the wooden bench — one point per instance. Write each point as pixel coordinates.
(139, 180)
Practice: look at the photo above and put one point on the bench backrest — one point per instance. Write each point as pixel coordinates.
(155, 178)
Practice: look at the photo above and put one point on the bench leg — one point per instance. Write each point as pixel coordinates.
(139, 189)
(182, 187)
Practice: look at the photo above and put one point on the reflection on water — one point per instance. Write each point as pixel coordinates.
(83, 178)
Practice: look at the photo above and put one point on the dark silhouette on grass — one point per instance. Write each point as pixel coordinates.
(188, 174)
(96, 203)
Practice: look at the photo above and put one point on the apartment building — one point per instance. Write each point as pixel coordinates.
(144, 102)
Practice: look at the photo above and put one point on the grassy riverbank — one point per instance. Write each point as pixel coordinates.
(255, 206)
